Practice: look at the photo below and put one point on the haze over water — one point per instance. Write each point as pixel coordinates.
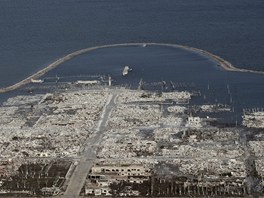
(36, 33)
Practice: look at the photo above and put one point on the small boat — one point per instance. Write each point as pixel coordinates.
(126, 70)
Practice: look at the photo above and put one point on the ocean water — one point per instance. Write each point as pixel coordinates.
(158, 63)
(35, 33)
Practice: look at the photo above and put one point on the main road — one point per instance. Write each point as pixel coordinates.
(88, 157)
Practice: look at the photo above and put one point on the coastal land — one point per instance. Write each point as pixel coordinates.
(93, 140)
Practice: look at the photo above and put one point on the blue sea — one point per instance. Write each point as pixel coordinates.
(165, 64)
(35, 33)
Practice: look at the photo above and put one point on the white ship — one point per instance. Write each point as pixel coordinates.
(36, 81)
(126, 70)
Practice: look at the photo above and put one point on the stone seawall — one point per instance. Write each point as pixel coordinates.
(224, 64)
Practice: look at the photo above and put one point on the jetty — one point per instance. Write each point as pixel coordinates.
(222, 63)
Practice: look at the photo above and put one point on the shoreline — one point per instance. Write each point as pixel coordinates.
(222, 63)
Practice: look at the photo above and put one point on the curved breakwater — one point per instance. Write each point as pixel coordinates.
(221, 62)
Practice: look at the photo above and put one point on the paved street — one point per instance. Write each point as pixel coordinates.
(78, 177)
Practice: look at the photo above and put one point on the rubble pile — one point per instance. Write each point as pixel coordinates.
(172, 121)
(44, 178)
(212, 167)
(215, 108)
(254, 119)
(138, 143)
(177, 109)
(129, 116)
(129, 96)
(260, 167)
(125, 144)
(50, 125)
(165, 134)
(197, 159)
(257, 147)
